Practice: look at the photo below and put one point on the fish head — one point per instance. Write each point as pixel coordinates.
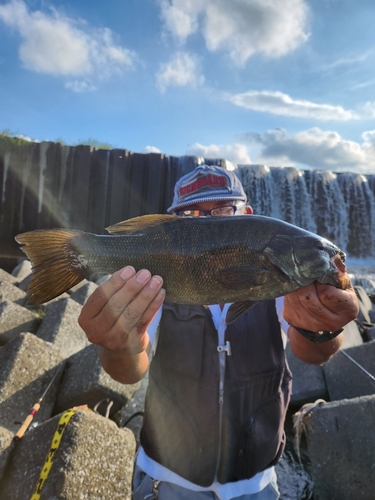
(307, 258)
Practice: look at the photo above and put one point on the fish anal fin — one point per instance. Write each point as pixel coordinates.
(56, 267)
(242, 277)
(138, 223)
(237, 309)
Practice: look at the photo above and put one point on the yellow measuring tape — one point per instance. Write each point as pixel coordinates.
(55, 443)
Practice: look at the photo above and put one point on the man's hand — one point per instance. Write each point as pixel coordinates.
(318, 307)
(116, 317)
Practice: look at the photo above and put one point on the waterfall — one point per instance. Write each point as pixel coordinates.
(337, 206)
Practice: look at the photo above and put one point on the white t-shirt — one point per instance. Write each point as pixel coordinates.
(225, 491)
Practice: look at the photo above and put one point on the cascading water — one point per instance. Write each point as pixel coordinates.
(338, 206)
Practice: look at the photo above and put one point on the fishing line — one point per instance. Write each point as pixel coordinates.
(372, 378)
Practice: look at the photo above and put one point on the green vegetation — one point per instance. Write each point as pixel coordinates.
(9, 139)
(94, 143)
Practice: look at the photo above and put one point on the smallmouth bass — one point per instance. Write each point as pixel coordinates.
(202, 260)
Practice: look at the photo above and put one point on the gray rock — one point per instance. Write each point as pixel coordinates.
(308, 380)
(4, 276)
(15, 319)
(129, 415)
(341, 443)
(60, 326)
(93, 462)
(370, 333)
(6, 446)
(86, 382)
(293, 480)
(27, 364)
(12, 293)
(352, 336)
(344, 379)
(99, 279)
(372, 315)
(82, 293)
(23, 285)
(22, 270)
(363, 298)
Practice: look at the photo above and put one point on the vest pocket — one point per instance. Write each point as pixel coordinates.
(181, 337)
(174, 440)
(262, 438)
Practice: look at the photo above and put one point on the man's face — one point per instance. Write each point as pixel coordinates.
(224, 208)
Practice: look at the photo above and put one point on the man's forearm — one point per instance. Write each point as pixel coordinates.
(122, 367)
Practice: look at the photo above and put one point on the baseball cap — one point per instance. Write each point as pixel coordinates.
(206, 183)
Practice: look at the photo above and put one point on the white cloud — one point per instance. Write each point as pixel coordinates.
(241, 28)
(151, 149)
(368, 138)
(57, 45)
(181, 71)
(278, 103)
(80, 86)
(236, 153)
(317, 149)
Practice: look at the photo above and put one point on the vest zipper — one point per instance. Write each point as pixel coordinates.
(221, 403)
(223, 351)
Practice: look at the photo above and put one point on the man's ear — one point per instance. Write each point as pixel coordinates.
(248, 210)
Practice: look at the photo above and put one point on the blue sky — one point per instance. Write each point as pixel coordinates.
(278, 82)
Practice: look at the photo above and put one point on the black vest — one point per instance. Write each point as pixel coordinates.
(182, 428)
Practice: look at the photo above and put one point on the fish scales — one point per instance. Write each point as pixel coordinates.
(202, 260)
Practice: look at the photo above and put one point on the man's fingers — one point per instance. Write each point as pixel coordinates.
(142, 307)
(105, 291)
(318, 307)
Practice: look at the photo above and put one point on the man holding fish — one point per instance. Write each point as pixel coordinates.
(210, 290)
(218, 392)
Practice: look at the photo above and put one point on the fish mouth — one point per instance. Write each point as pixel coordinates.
(339, 269)
(322, 260)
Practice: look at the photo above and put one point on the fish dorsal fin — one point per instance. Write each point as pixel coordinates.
(238, 308)
(138, 223)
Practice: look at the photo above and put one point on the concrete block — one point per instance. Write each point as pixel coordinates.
(15, 319)
(293, 481)
(22, 270)
(6, 446)
(363, 297)
(4, 276)
(344, 379)
(60, 326)
(82, 293)
(372, 315)
(352, 336)
(23, 284)
(85, 382)
(93, 462)
(370, 333)
(27, 366)
(341, 443)
(12, 293)
(308, 380)
(135, 405)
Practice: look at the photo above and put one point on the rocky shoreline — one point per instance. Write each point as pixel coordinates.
(88, 453)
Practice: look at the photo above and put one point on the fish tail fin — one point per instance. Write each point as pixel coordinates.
(56, 267)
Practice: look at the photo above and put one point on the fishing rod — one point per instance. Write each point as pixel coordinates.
(34, 410)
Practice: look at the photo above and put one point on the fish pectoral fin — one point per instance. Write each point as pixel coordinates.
(237, 309)
(242, 277)
(138, 223)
